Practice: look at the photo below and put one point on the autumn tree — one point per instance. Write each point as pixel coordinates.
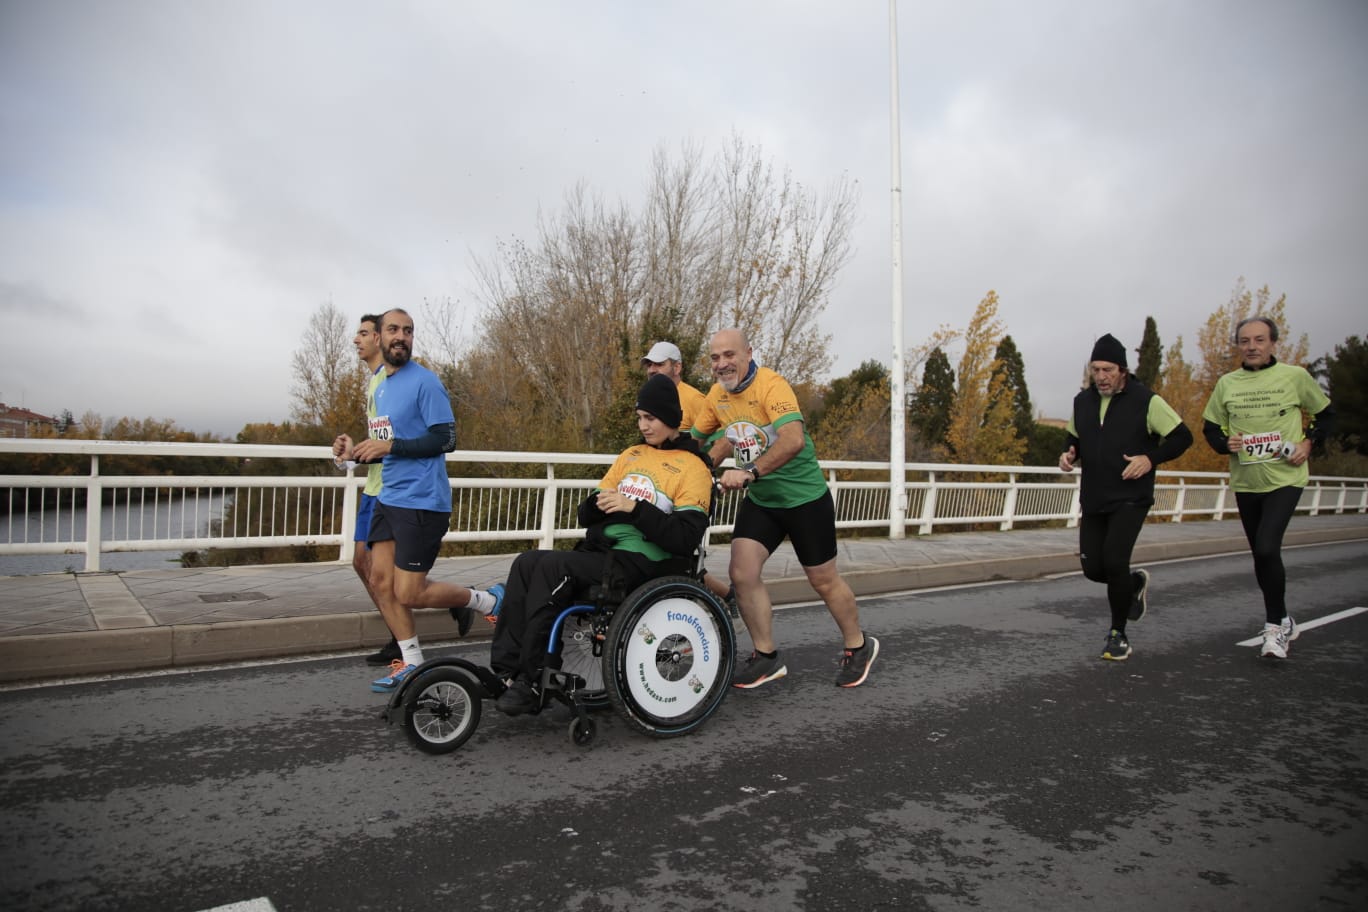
(1150, 355)
(329, 380)
(981, 427)
(854, 422)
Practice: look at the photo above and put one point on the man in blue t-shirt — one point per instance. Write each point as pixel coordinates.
(411, 431)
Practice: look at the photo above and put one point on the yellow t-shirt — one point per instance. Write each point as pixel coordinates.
(669, 479)
(751, 420)
(692, 402)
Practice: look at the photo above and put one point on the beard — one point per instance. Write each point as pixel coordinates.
(397, 354)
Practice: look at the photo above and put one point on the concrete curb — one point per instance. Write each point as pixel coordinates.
(149, 648)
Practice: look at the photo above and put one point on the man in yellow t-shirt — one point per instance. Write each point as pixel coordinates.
(753, 416)
(664, 358)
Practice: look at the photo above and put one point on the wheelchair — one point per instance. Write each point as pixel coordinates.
(662, 657)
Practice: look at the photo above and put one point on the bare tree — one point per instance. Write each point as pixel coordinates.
(329, 381)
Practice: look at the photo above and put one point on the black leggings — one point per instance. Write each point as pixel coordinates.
(1265, 517)
(1105, 543)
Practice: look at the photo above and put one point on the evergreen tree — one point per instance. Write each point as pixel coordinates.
(1346, 381)
(1008, 363)
(1151, 355)
(930, 413)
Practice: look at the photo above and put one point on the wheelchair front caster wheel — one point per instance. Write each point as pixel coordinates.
(582, 732)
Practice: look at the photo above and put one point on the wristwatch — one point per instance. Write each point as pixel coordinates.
(750, 467)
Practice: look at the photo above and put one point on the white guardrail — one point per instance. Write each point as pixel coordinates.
(92, 514)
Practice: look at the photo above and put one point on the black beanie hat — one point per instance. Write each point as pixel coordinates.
(1108, 349)
(659, 397)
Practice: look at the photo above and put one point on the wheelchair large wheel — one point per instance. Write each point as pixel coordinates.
(442, 709)
(577, 658)
(671, 652)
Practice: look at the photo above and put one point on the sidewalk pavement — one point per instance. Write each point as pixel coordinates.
(59, 625)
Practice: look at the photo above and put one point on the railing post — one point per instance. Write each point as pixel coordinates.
(1219, 511)
(1009, 507)
(1075, 501)
(94, 516)
(928, 505)
(548, 516)
(1180, 500)
(349, 502)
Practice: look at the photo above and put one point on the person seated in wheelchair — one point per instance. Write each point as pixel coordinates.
(646, 518)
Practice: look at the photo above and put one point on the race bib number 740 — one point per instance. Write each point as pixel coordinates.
(378, 428)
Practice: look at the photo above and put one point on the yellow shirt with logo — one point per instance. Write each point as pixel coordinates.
(692, 402)
(751, 420)
(669, 479)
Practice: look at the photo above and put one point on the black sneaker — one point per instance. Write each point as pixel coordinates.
(855, 663)
(1139, 598)
(519, 698)
(464, 616)
(1117, 648)
(759, 670)
(388, 653)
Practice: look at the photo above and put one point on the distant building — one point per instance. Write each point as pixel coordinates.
(20, 422)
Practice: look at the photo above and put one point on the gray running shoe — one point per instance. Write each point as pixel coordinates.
(758, 670)
(855, 663)
(1117, 648)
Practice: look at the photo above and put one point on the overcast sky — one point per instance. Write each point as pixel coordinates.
(183, 183)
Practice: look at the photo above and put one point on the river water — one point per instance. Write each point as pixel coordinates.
(178, 517)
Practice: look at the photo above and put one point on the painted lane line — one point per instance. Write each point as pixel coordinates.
(261, 904)
(1311, 625)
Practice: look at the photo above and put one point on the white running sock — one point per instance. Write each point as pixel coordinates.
(413, 654)
(482, 601)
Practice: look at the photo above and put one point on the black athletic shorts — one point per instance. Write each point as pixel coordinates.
(417, 534)
(810, 527)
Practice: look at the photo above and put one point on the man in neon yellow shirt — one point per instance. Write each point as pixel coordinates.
(1256, 415)
(753, 416)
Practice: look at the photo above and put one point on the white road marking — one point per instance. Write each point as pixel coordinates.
(1310, 625)
(261, 904)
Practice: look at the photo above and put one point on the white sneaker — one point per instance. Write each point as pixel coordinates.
(1290, 628)
(1275, 639)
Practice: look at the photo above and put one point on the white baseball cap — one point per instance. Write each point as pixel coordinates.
(662, 351)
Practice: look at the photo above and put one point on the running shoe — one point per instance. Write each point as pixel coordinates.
(463, 616)
(1140, 598)
(519, 698)
(497, 590)
(1277, 639)
(855, 663)
(759, 670)
(386, 654)
(398, 672)
(1117, 648)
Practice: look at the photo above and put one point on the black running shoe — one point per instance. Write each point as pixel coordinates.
(758, 670)
(1139, 598)
(1117, 648)
(464, 616)
(519, 698)
(388, 653)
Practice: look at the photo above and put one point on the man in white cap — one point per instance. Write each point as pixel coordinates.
(664, 358)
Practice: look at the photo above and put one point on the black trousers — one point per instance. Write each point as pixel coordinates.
(1265, 518)
(541, 584)
(1105, 543)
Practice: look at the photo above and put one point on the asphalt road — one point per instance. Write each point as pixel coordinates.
(991, 762)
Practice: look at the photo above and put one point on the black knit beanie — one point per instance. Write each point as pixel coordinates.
(659, 397)
(1108, 349)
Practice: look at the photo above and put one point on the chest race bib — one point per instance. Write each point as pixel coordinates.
(378, 428)
(1260, 447)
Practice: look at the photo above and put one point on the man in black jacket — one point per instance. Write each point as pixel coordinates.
(1119, 433)
(649, 511)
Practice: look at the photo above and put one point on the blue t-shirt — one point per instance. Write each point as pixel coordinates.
(407, 403)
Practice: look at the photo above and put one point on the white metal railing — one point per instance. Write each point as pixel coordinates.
(92, 514)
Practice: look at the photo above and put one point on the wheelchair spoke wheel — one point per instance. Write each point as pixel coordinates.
(442, 710)
(577, 658)
(671, 651)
